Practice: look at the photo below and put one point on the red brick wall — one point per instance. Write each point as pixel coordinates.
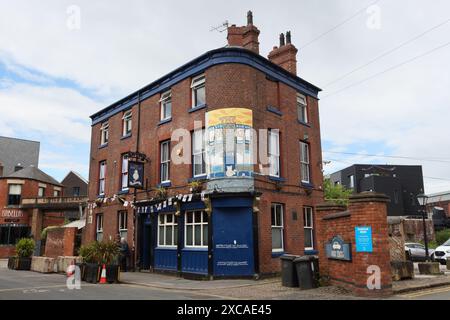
(227, 85)
(60, 242)
(366, 209)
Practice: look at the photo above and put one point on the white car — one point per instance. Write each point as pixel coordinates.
(442, 253)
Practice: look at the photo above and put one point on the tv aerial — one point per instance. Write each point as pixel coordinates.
(221, 28)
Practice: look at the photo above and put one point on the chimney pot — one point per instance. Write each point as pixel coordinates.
(249, 18)
(288, 37)
(282, 42)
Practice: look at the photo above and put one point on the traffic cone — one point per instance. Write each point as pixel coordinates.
(103, 275)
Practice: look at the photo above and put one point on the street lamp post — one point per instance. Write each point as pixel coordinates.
(422, 198)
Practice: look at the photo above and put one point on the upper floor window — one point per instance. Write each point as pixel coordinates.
(351, 181)
(124, 176)
(166, 105)
(198, 91)
(104, 133)
(41, 192)
(99, 227)
(165, 161)
(76, 191)
(56, 193)
(167, 230)
(308, 226)
(127, 123)
(123, 224)
(304, 162)
(302, 108)
(277, 227)
(196, 229)
(14, 195)
(101, 178)
(198, 154)
(274, 153)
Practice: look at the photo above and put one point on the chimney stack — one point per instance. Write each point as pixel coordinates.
(246, 36)
(286, 55)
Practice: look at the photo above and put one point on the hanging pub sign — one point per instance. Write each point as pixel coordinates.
(337, 249)
(135, 175)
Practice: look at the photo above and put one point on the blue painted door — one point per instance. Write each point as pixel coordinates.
(233, 242)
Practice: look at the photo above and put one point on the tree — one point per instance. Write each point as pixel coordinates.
(336, 193)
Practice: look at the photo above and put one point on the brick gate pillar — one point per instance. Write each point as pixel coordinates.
(323, 210)
(36, 224)
(370, 209)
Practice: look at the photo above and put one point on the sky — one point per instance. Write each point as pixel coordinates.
(383, 67)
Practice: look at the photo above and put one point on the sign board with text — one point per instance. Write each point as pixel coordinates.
(337, 249)
(363, 239)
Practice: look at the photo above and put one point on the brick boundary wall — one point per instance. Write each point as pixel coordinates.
(60, 242)
(365, 209)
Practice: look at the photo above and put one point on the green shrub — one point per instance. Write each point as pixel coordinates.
(442, 236)
(25, 248)
(100, 252)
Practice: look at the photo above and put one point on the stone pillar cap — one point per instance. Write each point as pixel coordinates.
(369, 196)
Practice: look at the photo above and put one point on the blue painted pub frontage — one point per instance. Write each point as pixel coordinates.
(189, 238)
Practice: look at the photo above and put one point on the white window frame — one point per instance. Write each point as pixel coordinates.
(274, 155)
(196, 84)
(308, 211)
(351, 179)
(127, 123)
(198, 134)
(102, 178)
(166, 98)
(99, 226)
(41, 195)
(305, 162)
(18, 193)
(280, 225)
(192, 225)
(123, 224)
(104, 133)
(164, 224)
(164, 163)
(56, 193)
(124, 173)
(302, 108)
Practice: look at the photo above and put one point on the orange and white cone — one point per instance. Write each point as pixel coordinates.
(103, 275)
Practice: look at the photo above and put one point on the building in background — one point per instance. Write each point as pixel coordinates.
(401, 183)
(75, 185)
(245, 215)
(17, 219)
(16, 154)
(439, 206)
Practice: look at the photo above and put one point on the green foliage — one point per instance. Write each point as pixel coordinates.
(442, 236)
(161, 192)
(100, 252)
(336, 193)
(195, 186)
(25, 248)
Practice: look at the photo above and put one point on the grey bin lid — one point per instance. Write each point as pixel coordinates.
(302, 259)
(289, 257)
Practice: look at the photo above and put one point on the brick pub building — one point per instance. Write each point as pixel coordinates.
(248, 213)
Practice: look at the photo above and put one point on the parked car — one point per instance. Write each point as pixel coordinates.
(416, 251)
(442, 253)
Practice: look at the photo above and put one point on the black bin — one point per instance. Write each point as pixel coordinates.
(307, 268)
(288, 272)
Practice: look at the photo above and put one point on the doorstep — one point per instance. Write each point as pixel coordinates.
(162, 281)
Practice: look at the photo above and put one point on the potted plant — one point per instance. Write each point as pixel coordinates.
(87, 254)
(90, 254)
(195, 186)
(161, 193)
(24, 251)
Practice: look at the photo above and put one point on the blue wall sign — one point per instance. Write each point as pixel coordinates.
(337, 249)
(363, 237)
(135, 175)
